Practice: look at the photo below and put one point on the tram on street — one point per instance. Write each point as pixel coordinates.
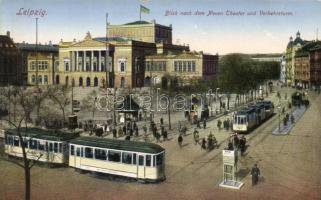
(143, 161)
(252, 116)
(48, 146)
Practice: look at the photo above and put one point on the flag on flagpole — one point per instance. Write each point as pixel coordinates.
(143, 9)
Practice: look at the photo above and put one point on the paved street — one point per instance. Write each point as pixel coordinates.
(290, 167)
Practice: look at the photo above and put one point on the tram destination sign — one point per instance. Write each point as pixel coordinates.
(229, 157)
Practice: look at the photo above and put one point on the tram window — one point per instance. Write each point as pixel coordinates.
(141, 160)
(148, 160)
(50, 147)
(159, 159)
(60, 147)
(41, 145)
(114, 156)
(6, 139)
(88, 152)
(26, 143)
(134, 158)
(127, 158)
(16, 141)
(56, 147)
(78, 151)
(100, 154)
(32, 144)
(241, 120)
(10, 140)
(72, 150)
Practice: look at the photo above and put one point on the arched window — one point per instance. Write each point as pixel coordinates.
(67, 80)
(45, 79)
(57, 79)
(33, 79)
(122, 82)
(80, 81)
(95, 82)
(40, 79)
(88, 82)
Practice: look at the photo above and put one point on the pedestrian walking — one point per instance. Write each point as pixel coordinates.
(120, 132)
(196, 136)
(219, 124)
(242, 145)
(255, 172)
(124, 130)
(230, 145)
(203, 146)
(161, 121)
(158, 136)
(136, 132)
(198, 124)
(114, 132)
(165, 135)
(236, 141)
(204, 124)
(180, 140)
(292, 119)
(127, 137)
(145, 129)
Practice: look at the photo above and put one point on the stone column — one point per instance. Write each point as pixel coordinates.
(77, 61)
(92, 61)
(99, 61)
(84, 63)
(70, 61)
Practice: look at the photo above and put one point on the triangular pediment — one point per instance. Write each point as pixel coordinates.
(89, 43)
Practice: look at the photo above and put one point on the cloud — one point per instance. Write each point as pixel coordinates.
(270, 35)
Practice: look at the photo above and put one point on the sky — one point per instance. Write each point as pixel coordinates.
(69, 19)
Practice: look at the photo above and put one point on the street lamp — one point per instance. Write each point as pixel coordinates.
(279, 108)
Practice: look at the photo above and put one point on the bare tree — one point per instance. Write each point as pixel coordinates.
(26, 101)
(60, 95)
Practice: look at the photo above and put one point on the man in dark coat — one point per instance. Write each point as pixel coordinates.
(242, 145)
(180, 140)
(255, 172)
(114, 133)
(161, 121)
(204, 124)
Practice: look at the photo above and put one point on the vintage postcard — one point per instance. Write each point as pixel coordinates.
(160, 99)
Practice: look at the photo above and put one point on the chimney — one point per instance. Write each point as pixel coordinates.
(8, 34)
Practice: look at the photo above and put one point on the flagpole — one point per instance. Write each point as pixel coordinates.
(140, 13)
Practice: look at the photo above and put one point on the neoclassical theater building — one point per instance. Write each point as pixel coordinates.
(138, 54)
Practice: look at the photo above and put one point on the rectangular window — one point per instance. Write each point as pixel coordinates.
(175, 66)
(16, 141)
(41, 145)
(184, 66)
(78, 151)
(148, 160)
(33, 144)
(189, 66)
(56, 147)
(72, 150)
(10, 140)
(127, 158)
(134, 158)
(50, 147)
(60, 147)
(114, 156)
(159, 159)
(89, 152)
(141, 160)
(100, 154)
(193, 66)
(154, 161)
(180, 66)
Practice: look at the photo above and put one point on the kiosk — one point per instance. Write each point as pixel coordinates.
(230, 170)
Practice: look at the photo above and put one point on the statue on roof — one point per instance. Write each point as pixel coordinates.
(88, 36)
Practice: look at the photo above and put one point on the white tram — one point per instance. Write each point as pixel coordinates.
(252, 116)
(42, 145)
(143, 161)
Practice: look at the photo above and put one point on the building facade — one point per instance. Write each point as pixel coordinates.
(142, 31)
(290, 52)
(10, 67)
(315, 66)
(129, 50)
(184, 67)
(40, 62)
